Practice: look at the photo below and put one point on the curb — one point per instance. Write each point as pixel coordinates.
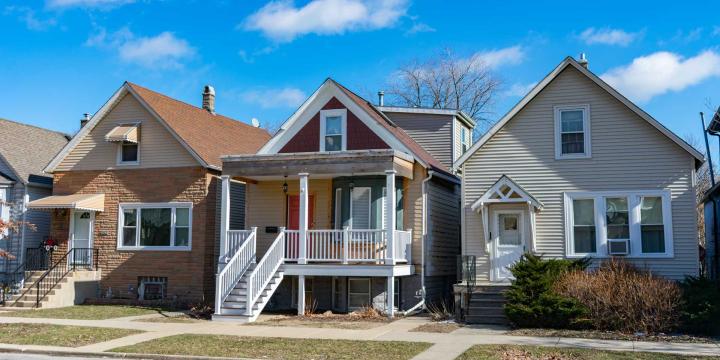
(113, 355)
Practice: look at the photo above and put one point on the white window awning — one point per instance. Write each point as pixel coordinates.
(124, 133)
(89, 202)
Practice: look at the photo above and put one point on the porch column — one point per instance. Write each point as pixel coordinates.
(301, 295)
(390, 213)
(224, 219)
(390, 296)
(303, 223)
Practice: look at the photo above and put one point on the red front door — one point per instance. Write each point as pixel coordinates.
(293, 220)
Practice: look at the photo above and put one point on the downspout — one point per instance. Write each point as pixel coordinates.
(425, 202)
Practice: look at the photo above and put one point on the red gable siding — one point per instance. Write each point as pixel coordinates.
(360, 137)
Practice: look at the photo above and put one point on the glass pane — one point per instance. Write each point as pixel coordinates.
(618, 232)
(129, 236)
(573, 143)
(359, 286)
(651, 210)
(129, 152)
(616, 204)
(584, 212)
(333, 125)
(584, 239)
(571, 120)
(333, 143)
(509, 232)
(181, 236)
(360, 209)
(653, 238)
(129, 218)
(358, 301)
(182, 217)
(155, 227)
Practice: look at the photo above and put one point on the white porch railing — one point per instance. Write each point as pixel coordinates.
(234, 269)
(345, 246)
(264, 271)
(403, 245)
(233, 240)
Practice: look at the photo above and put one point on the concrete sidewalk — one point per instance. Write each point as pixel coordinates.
(446, 346)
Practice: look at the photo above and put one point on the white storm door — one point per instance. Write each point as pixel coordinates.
(508, 243)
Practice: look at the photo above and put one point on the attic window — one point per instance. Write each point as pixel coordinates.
(127, 136)
(333, 130)
(572, 132)
(128, 153)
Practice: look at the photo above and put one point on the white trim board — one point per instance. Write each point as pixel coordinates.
(568, 61)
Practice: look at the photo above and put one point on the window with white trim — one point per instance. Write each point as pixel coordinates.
(464, 139)
(643, 218)
(572, 131)
(358, 293)
(156, 226)
(128, 153)
(333, 130)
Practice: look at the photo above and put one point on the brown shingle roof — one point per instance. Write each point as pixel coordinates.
(210, 136)
(398, 132)
(28, 149)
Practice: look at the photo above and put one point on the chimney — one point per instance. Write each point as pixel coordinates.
(381, 98)
(208, 99)
(84, 120)
(583, 60)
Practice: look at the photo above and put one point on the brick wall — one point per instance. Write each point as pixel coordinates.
(190, 274)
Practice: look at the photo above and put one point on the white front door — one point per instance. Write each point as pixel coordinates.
(509, 241)
(81, 233)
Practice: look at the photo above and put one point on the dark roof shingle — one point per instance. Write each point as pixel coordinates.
(28, 149)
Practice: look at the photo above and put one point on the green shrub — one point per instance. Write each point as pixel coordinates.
(621, 297)
(701, 306)
(531, 302)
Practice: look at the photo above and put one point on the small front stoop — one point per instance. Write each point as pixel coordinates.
(234, 306)
(64, 293)
(487, 305)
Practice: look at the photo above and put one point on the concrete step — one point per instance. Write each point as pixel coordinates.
(487, 319)
(490, 289)
(486, 311)
(483, 302)
(488, 296)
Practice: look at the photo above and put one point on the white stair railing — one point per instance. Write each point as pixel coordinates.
(233, 240)
(264, 271)
(234, 269)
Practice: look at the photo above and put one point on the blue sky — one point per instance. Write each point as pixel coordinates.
(61, 58)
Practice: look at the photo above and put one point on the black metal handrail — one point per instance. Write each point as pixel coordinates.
(77, 258)
(35, 259)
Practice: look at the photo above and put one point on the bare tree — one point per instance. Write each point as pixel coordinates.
(9, 226)
(446, 82)
(702, 185)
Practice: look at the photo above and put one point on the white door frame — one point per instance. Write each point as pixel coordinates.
(71, 237)
(495, 228)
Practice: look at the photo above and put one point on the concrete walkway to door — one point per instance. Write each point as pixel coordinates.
(445, 346)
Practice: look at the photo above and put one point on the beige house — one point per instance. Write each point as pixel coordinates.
(577, 170)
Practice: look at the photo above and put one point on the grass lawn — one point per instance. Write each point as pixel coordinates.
(437, 327)
(276, 348)
(610, 335)
(85, 312)
(507, 352)
(335, 321)
(176, 319)
(58, 335)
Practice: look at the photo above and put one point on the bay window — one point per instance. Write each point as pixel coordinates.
(642, 218)
(156, 226)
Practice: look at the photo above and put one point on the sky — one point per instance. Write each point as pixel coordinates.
(62, 58)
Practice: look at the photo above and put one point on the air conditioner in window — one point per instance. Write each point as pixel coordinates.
(618, 247)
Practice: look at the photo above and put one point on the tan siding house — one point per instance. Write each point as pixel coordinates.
(623, 187)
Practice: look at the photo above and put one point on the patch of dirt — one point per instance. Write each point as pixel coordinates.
(437, 327)
(519, 354)
(611, 335)
(355, 320)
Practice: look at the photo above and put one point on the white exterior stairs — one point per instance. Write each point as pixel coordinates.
(234, 307)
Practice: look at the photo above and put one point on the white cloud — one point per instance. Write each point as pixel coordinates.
(494, 59)
(608, 36)
(282, 21)
(661, 72)
(275, 98)
(86, 3)
(28, 16)
(519, 90)
(164, 51)
(419, 28)
(716, 31)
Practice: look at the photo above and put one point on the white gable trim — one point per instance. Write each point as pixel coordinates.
(549, 78)
(495, 195)
(100, 114)
(313, 105)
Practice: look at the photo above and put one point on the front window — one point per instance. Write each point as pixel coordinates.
(333, 129)
(128, 153)
(358, 293)
(155, 226)
(642, 219)
(572, 132)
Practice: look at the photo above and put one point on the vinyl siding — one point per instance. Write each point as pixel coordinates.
(457, 139)
(443, 228)
(627, 154)
(158, 148)
(433, 132)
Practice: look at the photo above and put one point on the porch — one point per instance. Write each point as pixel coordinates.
(318, 214)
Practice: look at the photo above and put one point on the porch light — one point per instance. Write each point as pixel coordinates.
(352, 185)
(285, 186)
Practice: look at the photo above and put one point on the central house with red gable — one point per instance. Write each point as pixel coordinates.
(348, 206)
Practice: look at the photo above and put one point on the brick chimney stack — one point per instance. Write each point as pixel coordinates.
(208, 99)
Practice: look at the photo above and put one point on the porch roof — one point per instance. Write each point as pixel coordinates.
(267, 166)
(90, 202)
